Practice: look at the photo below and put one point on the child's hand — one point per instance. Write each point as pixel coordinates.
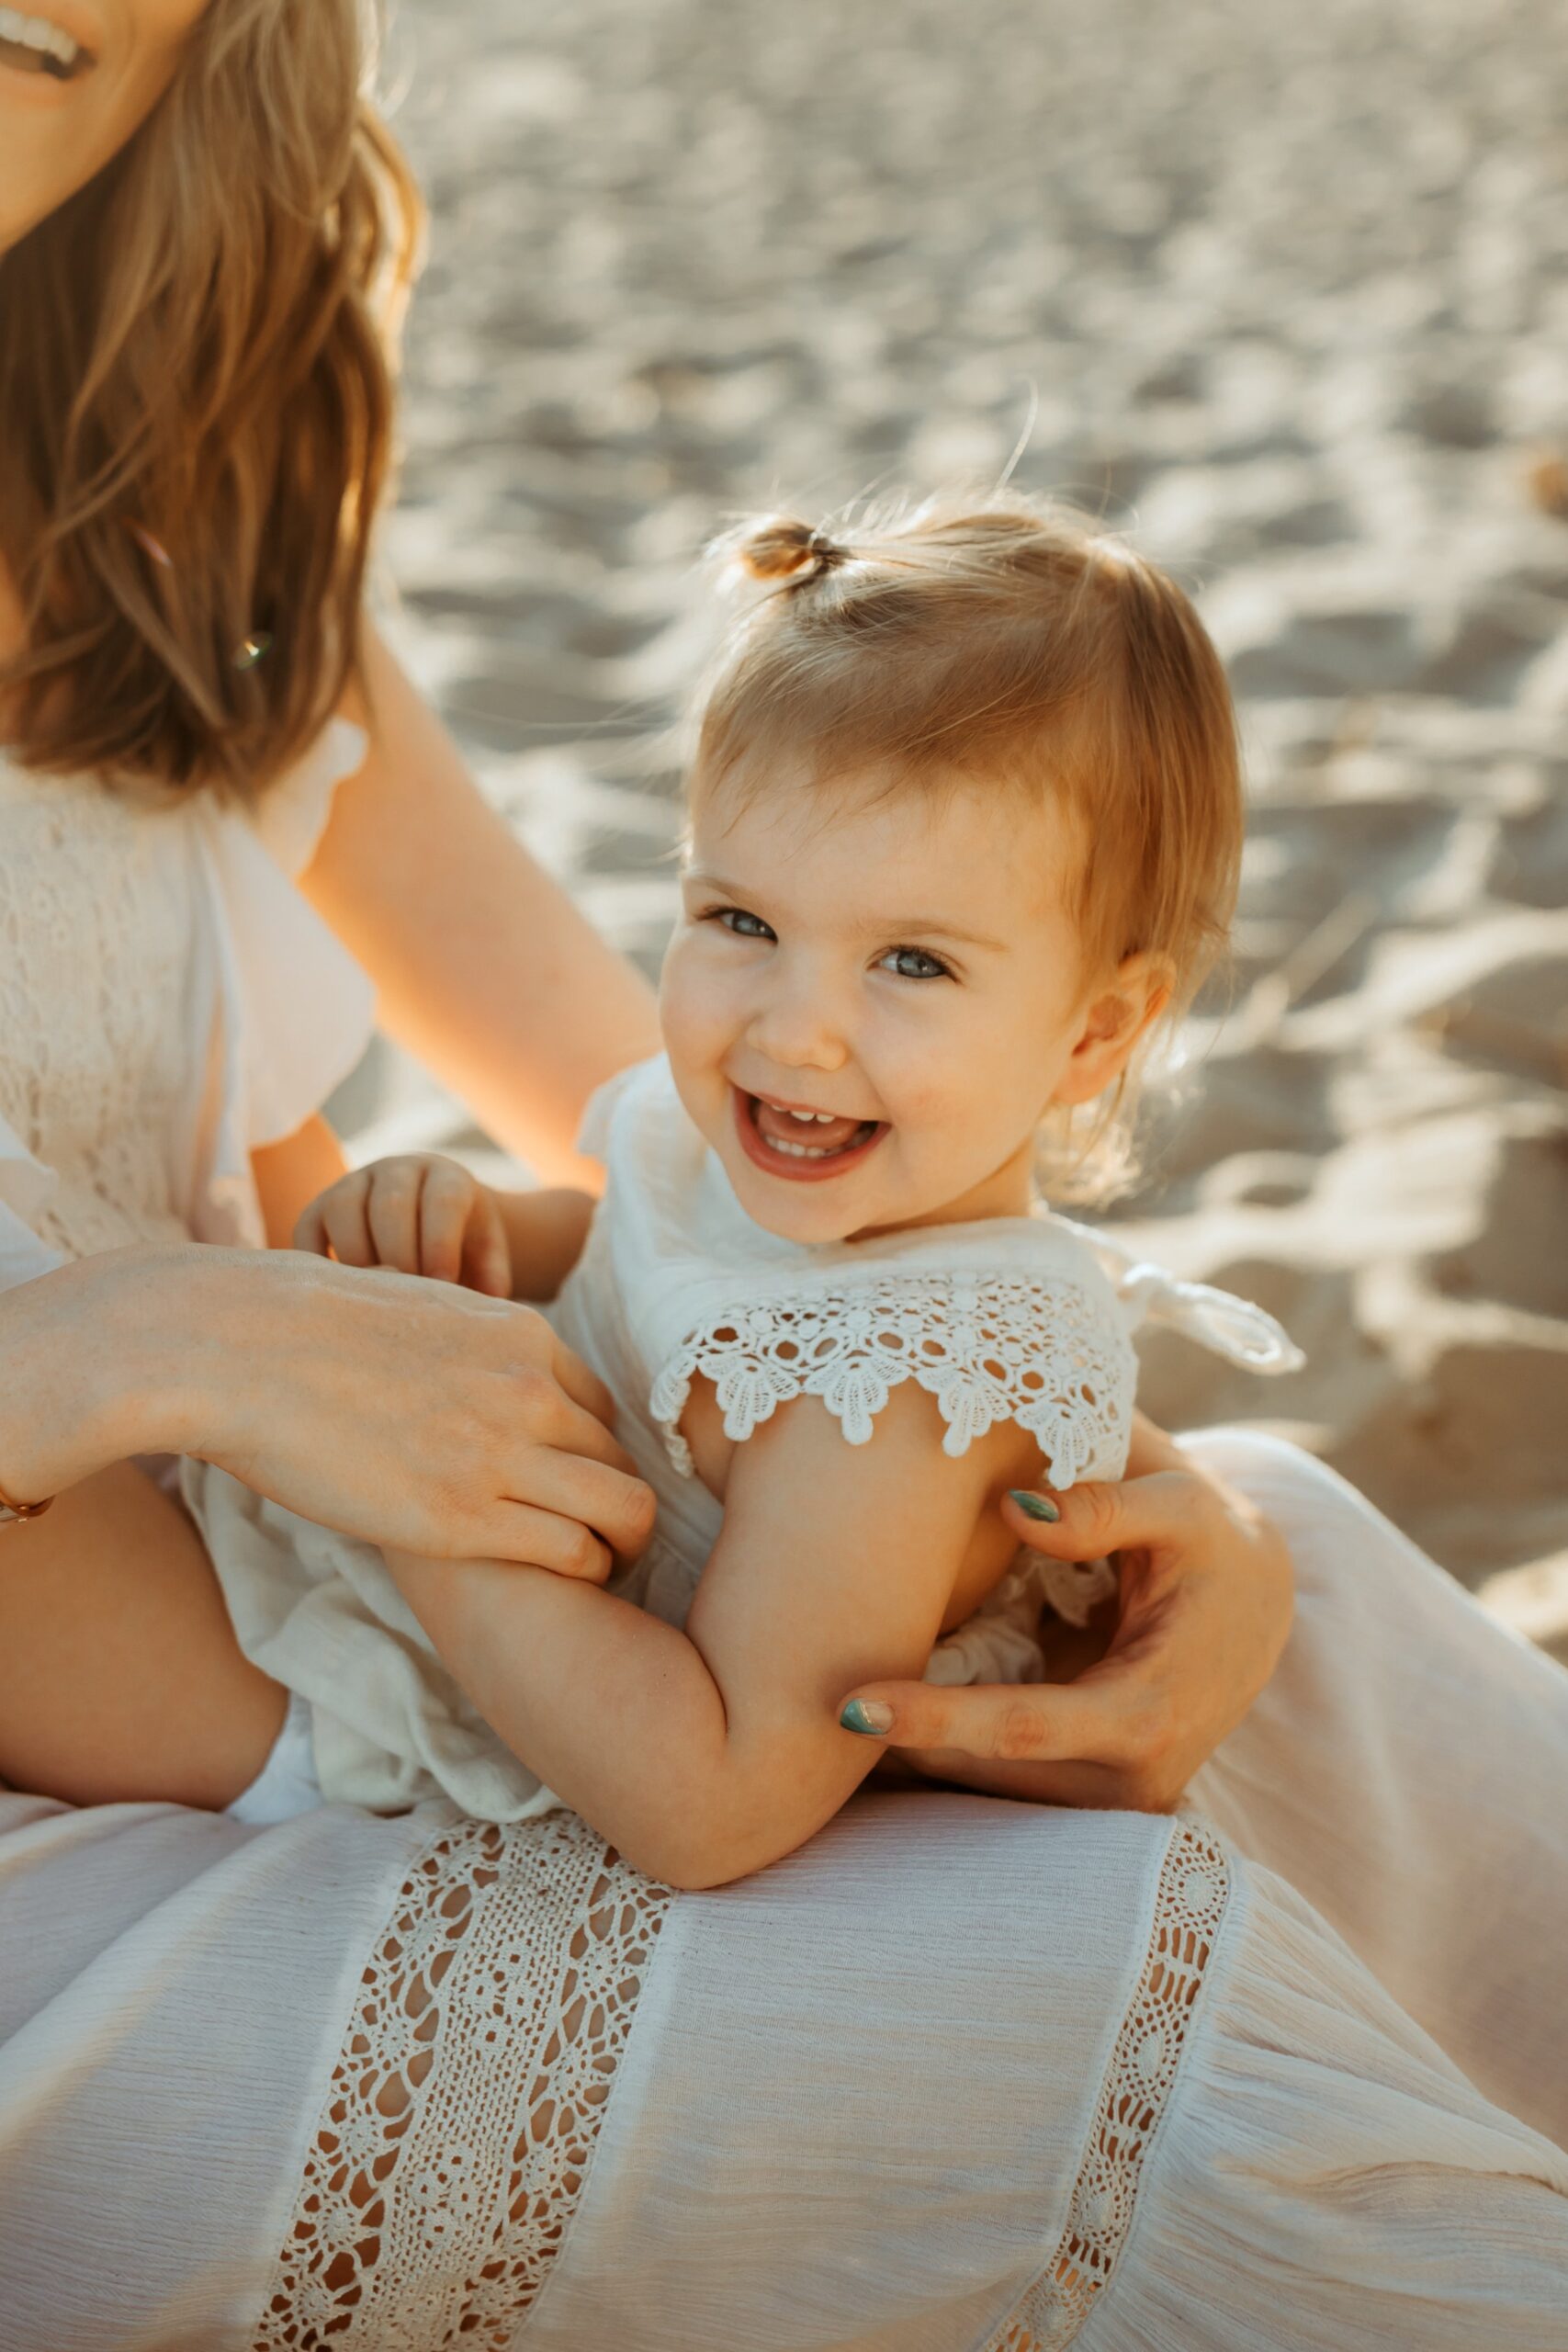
(419, 1213)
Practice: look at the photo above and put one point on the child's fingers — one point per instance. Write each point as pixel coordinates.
(393, 1213)
(487, 1261)
(311, 1230)
(345, 1222)
(446, 1203)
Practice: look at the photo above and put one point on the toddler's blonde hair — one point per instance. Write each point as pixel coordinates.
(1012, 644)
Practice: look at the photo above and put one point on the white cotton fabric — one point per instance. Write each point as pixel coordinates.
(1318, 2174)
(858, 2102)
(168, 1001)
(1017, 1319)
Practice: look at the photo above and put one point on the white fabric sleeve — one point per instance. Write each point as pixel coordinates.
(290, 1013)
(1041, 1349)
(291, 816)
(594, 1134)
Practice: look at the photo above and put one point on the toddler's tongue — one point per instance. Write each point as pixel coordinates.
(782, 1127)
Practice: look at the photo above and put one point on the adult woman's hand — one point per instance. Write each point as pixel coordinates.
(1204, 1610)
(405, 1412)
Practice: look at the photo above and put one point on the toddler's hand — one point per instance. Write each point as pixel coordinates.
(419, 1213)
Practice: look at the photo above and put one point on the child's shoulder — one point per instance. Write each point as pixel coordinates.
(1004, 1322)
(1025, 1320)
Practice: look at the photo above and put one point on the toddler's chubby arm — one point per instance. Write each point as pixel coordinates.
(703, 1756)
(422, 1214)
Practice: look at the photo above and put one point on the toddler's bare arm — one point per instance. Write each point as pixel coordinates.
(704, 1755)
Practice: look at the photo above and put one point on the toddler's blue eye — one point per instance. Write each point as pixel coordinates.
(744, 925)
(913, 964)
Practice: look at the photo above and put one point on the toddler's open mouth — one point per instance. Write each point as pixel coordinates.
(803, 1143)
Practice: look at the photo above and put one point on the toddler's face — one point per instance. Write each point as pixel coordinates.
(870, 1000)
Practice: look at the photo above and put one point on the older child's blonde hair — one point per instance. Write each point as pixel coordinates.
(1014, 645)
(197, 411)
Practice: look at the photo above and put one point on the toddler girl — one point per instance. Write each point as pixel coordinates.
(965, 820)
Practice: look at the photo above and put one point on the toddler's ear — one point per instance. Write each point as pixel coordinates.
(1113, 1020)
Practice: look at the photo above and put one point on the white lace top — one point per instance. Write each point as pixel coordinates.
(1026, 1320)
(168, 1001)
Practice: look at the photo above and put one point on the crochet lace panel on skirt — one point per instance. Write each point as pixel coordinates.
(1189, 1902)
(456, 2138)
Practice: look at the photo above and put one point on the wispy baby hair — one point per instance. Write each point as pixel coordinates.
(1012, 645)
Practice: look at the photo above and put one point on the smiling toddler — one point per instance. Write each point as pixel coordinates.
(966, 822)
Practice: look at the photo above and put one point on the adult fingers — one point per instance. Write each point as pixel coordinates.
(571, 1429)
(1106, 1740)
(392, 1213)
(523, 1536)
(602, 1496)
(1089, 1520)
(1093, 1720)
(584, 1387)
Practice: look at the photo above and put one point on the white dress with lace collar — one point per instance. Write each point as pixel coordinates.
(959, 2074)
(1027, 1320)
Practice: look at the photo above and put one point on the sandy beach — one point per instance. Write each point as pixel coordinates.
(1279, 292)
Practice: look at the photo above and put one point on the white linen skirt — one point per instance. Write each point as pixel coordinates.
(961, 2076)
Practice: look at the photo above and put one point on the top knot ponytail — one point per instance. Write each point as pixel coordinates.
(783, 548)
(1003, 647)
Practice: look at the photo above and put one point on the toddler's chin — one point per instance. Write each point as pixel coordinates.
(805, 1215)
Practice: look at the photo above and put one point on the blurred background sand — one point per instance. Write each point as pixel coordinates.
(1285, 288)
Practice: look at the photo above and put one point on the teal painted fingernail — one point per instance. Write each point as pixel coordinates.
(868, 1716)
(1035, 1506)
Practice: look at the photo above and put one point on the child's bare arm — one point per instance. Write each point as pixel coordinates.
(704, 1755)
(545, 1233)
(289, 1175)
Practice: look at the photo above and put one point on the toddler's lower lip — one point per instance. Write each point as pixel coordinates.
(791, 1167)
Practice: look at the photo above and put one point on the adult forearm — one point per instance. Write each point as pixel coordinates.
(93, 1367)
(484, 968)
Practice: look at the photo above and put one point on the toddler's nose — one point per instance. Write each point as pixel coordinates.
(795, 1029)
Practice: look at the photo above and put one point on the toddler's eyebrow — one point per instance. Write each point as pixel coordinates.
(893, 927)
(937, 926)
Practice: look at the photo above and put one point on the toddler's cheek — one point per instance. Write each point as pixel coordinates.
(699, 1020)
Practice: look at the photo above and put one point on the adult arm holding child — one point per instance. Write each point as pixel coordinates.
(390, 1407)
(1203, 1616)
